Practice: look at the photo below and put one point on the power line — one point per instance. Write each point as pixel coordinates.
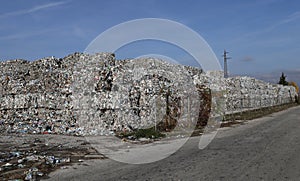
(225, 63)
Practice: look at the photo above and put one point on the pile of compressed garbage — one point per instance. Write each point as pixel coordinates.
(84, 94)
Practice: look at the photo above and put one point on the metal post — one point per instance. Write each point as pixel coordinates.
(225, 64)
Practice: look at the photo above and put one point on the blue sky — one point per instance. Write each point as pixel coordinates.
(262, 36)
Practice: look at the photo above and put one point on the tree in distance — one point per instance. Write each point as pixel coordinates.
(282, 80)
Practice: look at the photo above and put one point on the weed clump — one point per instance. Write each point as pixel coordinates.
(150, 133)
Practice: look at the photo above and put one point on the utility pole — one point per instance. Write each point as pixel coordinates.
(225, 64)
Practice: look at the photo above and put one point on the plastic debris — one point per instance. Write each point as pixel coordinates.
(7, 165)
(28, 176)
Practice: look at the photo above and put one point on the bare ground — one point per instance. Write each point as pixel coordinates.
(25, 156)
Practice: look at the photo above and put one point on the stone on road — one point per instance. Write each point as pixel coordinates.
(263, 149)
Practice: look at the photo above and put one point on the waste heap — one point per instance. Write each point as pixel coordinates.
(249, 93)
(96, 94)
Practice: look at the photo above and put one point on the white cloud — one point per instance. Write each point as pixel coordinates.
(33, 9)
(288, 19)
(293, 17)
(28, 34)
